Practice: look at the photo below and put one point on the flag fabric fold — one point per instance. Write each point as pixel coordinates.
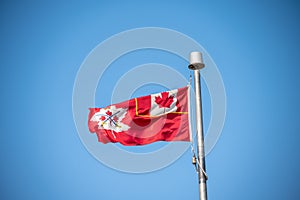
(144, 120)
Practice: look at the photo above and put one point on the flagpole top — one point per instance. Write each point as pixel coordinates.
(196, 61)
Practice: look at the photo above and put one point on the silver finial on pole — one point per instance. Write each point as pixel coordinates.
(196, 63)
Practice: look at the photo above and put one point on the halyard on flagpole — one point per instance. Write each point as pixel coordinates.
(196, 64)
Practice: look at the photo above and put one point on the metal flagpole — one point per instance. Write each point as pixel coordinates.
(196, 64)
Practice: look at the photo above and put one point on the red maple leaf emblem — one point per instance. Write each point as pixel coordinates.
(109, 113)
(102, 118)
(115, 118)
(165, 100)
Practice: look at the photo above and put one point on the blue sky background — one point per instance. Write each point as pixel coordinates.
(255, 45)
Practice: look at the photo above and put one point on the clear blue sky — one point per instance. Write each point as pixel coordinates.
(255, 45)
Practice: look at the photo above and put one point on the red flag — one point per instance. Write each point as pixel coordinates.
(144, 120)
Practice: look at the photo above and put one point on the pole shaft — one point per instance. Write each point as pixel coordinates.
(200, 137)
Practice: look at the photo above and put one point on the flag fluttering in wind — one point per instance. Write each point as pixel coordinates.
(144, 120)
